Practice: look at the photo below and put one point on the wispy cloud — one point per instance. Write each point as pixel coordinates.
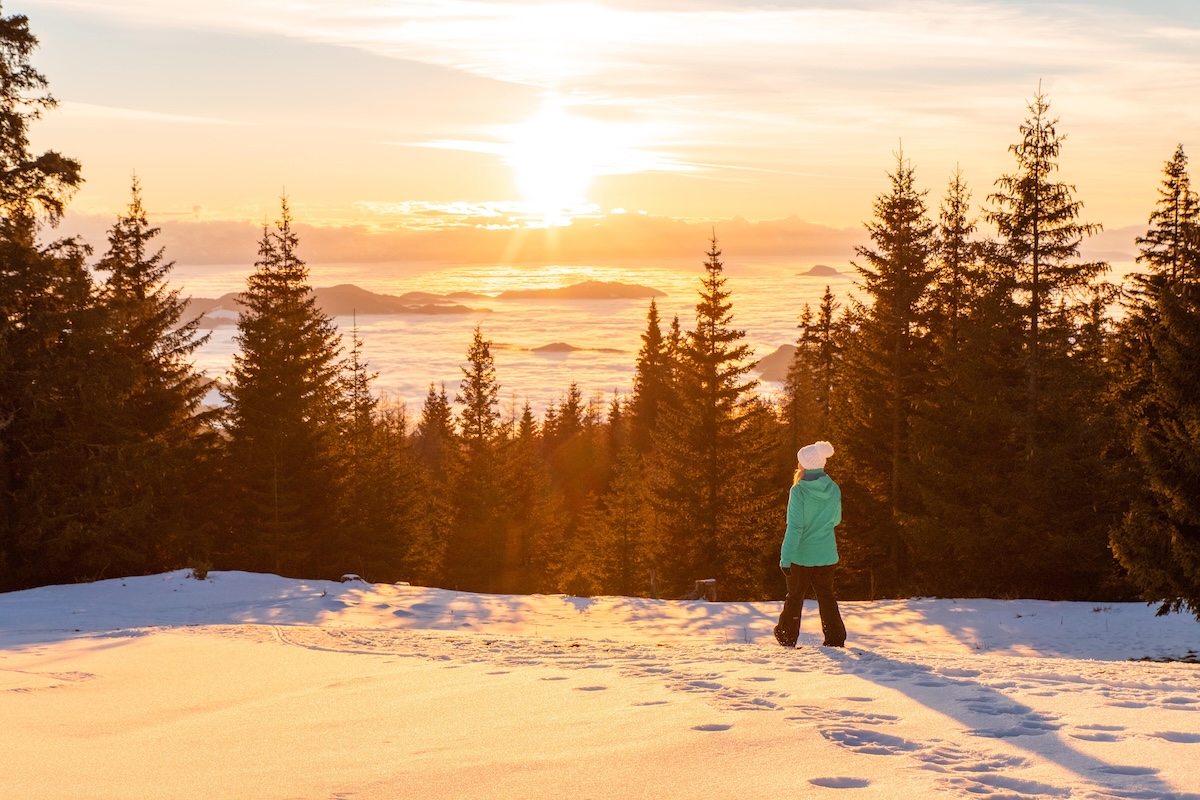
(724, 65)
(774, 105)
(98, 112)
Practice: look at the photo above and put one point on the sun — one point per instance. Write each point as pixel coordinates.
(553, 156)
(556, 155)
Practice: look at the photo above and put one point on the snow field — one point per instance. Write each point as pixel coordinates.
(258, 686)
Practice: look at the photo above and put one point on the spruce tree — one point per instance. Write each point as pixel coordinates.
(1158, 358)
(375, 491)
(286, 401)
(157, 443)
(48, 332)
(29, 185)
(957, 257)
(436, 449)
(800, 407)
(651, 382)
(812, 376)
(1038, 223)
(887, 372)
(710, 481)
(1168, 249)
(535, 518)
(1060, 484)
(475, 557)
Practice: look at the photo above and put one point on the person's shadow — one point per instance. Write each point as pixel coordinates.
(989, 715)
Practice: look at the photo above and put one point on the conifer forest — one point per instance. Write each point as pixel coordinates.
(1008, 422)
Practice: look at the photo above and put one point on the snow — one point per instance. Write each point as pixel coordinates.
(246, 685)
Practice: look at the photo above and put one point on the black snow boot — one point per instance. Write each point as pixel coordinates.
(783, 638)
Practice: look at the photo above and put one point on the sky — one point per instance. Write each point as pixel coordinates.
(446, 125)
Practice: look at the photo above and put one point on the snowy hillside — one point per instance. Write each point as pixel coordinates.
(255, 686)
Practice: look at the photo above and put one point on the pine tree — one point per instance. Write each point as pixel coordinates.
(1169, 246)
(957, 257)
(1059, 484)
(975, 347)
(1040, 232)
(156, 440)
(616, 550)
(800, 408)
(886, 375)
(286, 401)
(375, 492)
(476, 549)
(651, 382)
(29, 185)
(479, 394)
(435, 447)
(710, 473)
(1158, 358)
(811, 378)
(48, 331)
(535, 517)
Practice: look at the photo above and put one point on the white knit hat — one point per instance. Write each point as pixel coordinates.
(813, 456)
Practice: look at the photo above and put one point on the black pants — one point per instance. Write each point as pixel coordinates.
(820, 580)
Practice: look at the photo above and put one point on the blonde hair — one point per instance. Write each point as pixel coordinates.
(798, 475)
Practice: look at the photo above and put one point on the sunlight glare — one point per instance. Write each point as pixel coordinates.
(555, 156)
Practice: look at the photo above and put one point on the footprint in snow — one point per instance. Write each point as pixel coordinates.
(1115, 769)
(840, 783)
(1013, 787)
(951, 758)
(1097, 736)
(1128, 704)
(711, 728)
(870, 742)
(1098, 733)
(1177, 737)
(590, 688)
(1026, 727)
(816, 713)
(1180, 703)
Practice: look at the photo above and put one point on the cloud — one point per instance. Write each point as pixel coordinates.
(763, 108)
(98, 112)
(840, 64)
(604, 238)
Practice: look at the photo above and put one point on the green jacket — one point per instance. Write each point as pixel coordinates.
(814, 508)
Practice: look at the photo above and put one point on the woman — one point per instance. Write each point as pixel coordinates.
(809, 549)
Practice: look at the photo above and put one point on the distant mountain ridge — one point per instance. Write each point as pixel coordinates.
(774, 366)
(824, 271)
(346, 299)
(336, 301)
(588, 290)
